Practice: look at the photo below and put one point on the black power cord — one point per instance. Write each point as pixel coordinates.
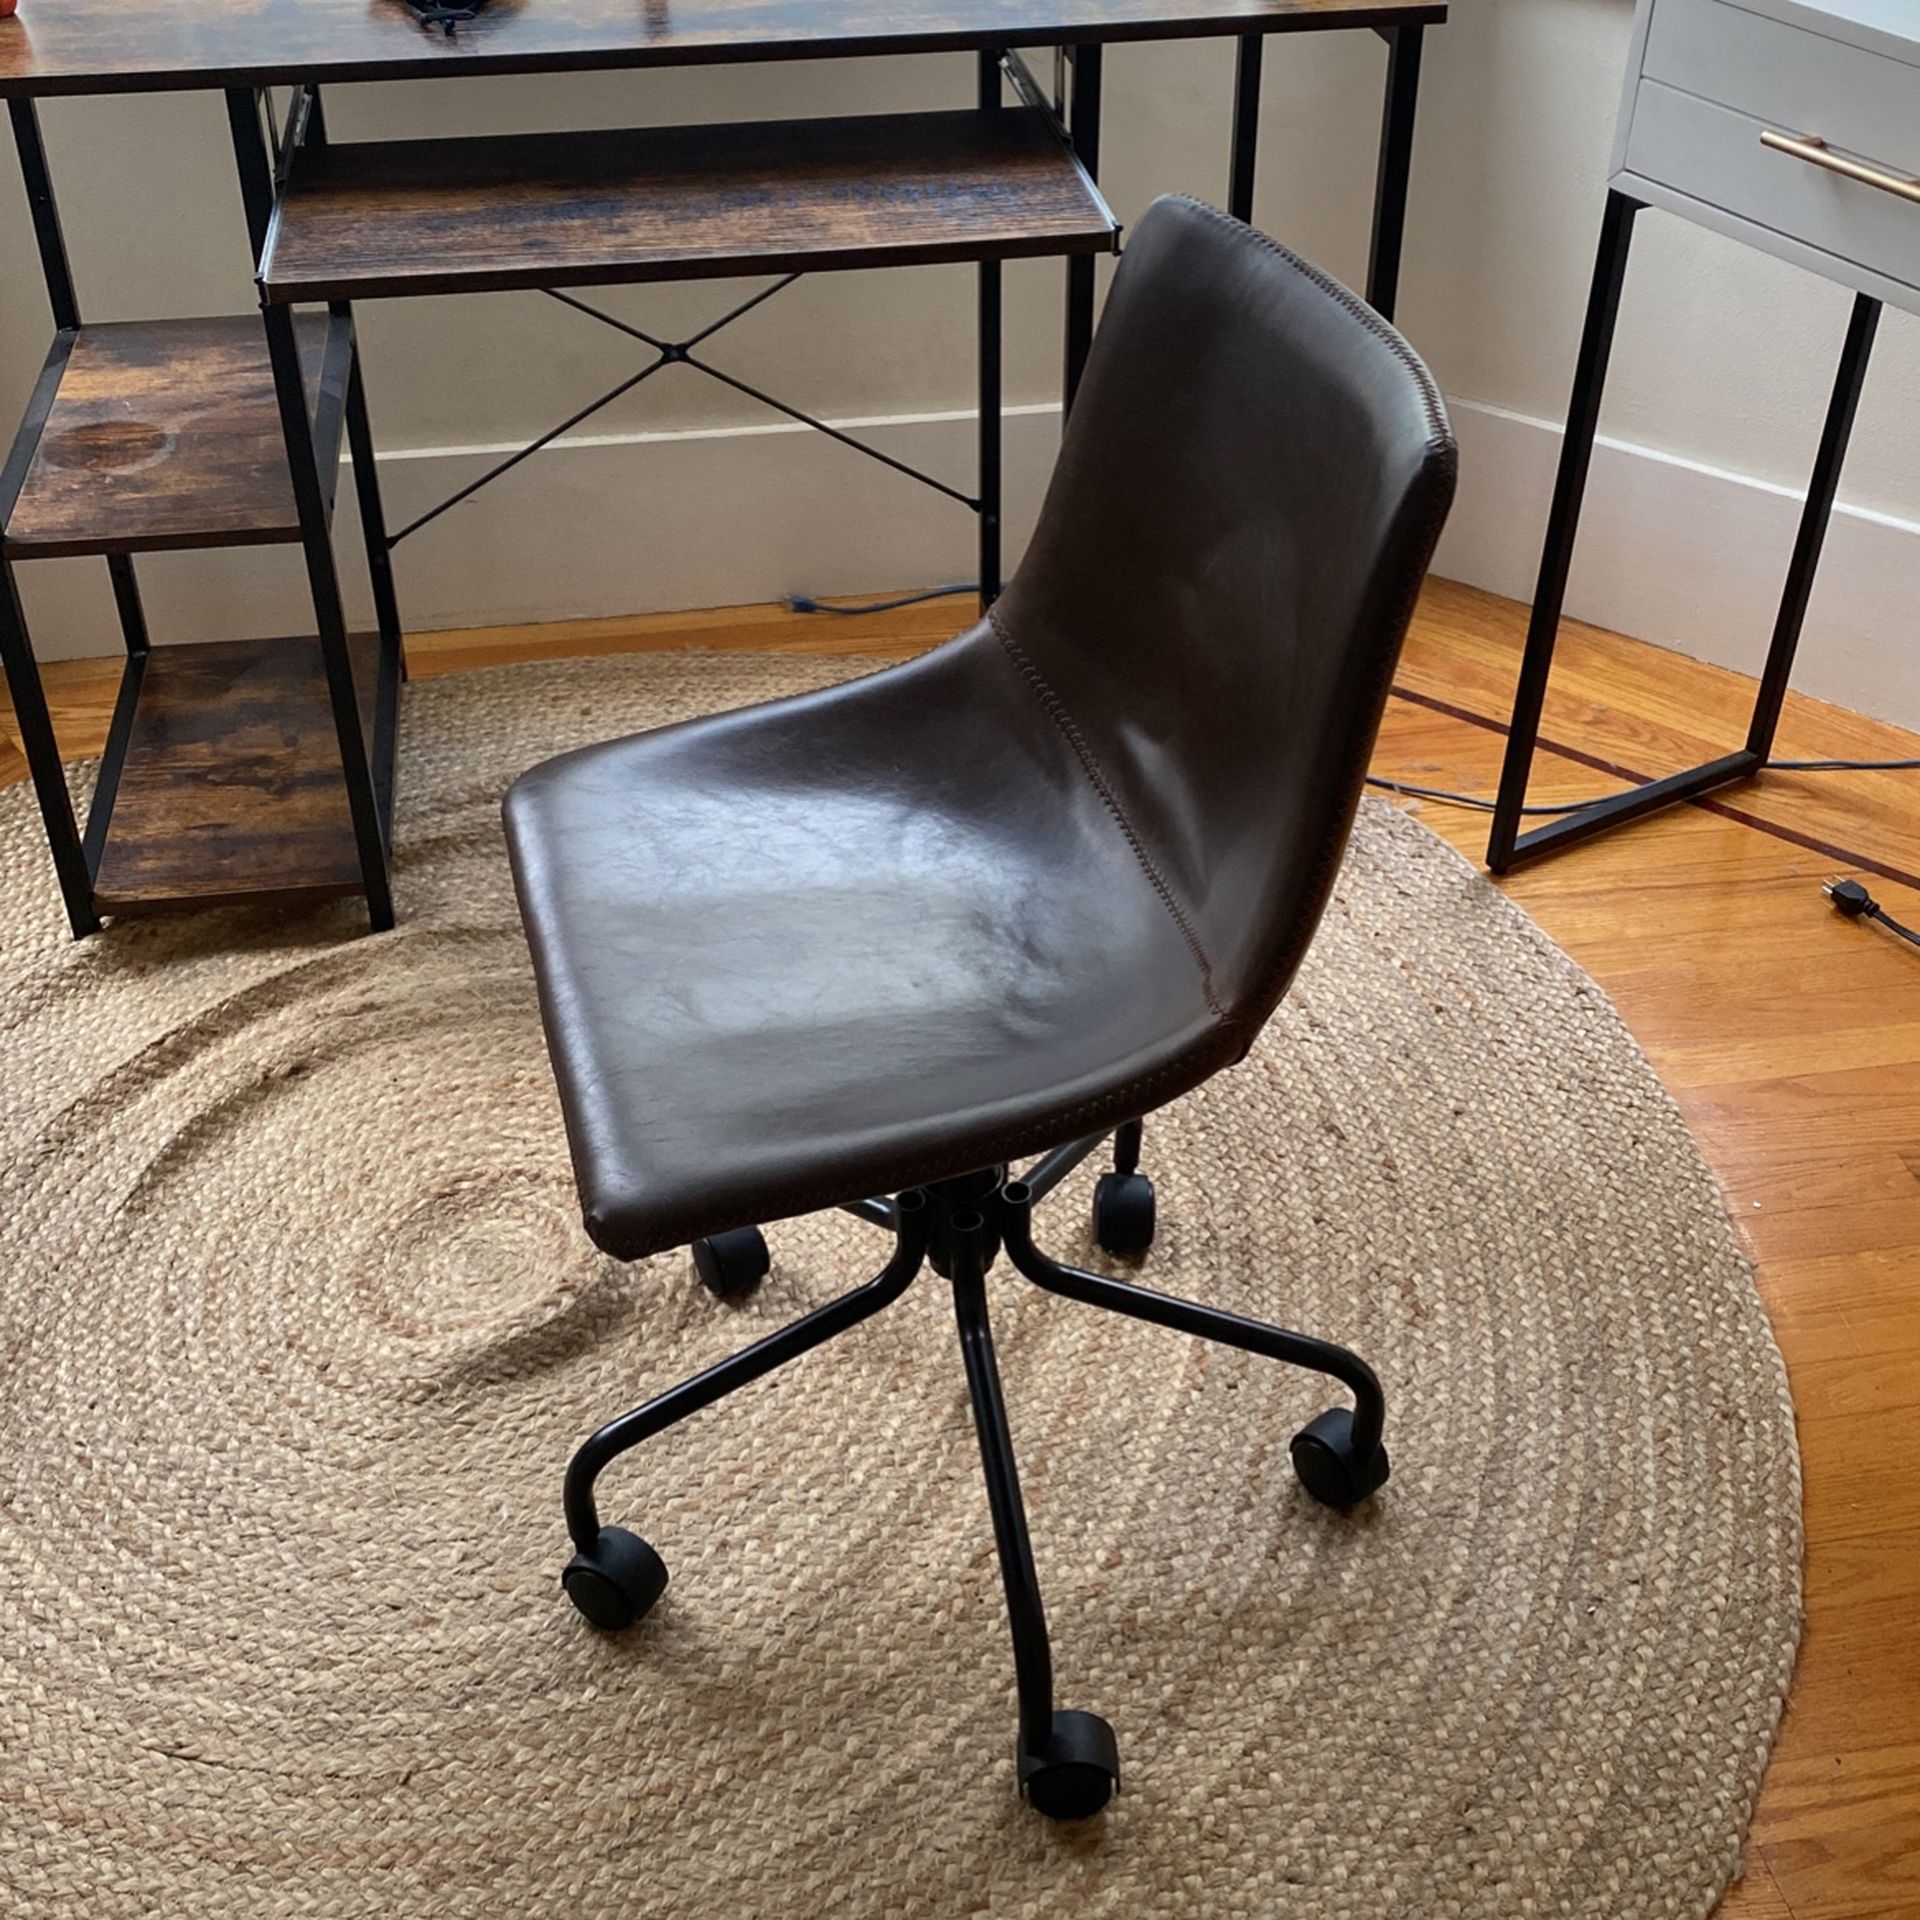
(805, 603)
(1849, 897)
(1481, 804)
(1472, 800)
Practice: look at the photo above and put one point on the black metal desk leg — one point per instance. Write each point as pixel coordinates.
(43, 761)
(16, 650)
(1814, 516)
(373, 518)
(1563, 520)
(255, 163)
(1246, 125)
(1083, 124)
(126, 600)
(316, 538)
(313, 502)
(989, 381)
(990, 421)
(1395, 167)
(47, 234)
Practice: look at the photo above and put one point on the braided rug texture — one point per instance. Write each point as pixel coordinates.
(299, 1328)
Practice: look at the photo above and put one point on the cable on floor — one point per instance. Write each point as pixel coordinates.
(804, 603)
(1850, 898)
(1482, 804)
(1471, 799)
(1841, 766)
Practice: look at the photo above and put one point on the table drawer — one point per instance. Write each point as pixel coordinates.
(1798, 82)
(1714, 154)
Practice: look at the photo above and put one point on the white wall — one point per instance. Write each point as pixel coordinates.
(686, 494)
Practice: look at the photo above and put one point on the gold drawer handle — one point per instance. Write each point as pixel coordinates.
(1816, 152)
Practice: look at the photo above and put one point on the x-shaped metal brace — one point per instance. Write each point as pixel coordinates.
(670, 353)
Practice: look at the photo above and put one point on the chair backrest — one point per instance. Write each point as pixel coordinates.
(1252, 481)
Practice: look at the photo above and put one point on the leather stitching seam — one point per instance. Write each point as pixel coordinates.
(1383, 330)
(1056, 710)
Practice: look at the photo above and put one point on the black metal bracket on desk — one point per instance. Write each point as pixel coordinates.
(1507, 847)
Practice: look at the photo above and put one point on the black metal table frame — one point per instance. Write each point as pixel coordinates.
(1507, 846)
(262, 153)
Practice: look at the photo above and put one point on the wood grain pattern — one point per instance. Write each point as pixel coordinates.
(367, 220)
(100, 46)
(231, 788)
(162, 434)
(1790, 1037)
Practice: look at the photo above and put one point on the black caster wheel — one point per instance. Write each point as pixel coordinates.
(1325, 1462)
(1078, 1771)
(731, 1265)
(1123, 1213)
(618, 1582)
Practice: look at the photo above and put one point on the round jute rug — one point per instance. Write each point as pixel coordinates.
(299, 1328)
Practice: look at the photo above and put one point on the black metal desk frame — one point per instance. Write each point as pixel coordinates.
(263, 152)
(1507, 847)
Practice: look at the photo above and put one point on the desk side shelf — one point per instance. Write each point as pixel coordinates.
(148, 436)
(221, 777)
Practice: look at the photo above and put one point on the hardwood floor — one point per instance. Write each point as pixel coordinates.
(1790, 1037)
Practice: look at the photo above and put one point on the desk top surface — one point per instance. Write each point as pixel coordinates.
(138, 46)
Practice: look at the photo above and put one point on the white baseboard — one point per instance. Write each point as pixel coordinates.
(1687, 556)
(1692, 558)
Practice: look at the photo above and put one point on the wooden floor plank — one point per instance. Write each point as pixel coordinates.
(1791, 1039)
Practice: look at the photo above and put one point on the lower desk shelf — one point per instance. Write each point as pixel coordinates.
(372, 220)
(221, 781)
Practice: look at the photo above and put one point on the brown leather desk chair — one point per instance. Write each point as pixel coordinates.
(1008, 897)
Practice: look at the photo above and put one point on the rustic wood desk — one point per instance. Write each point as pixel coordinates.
(265, 769)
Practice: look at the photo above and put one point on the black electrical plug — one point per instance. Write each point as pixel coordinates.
(1852, 899)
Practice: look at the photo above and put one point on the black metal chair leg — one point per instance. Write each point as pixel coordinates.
(1338, 1456)
(806, 1333)
(1068, 1763)
(615, 1577)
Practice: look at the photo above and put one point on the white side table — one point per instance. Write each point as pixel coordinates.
(1793, 125)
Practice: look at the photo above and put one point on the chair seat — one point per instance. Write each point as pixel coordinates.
(843, 944)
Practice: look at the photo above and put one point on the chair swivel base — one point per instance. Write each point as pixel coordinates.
(1067, 1763)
